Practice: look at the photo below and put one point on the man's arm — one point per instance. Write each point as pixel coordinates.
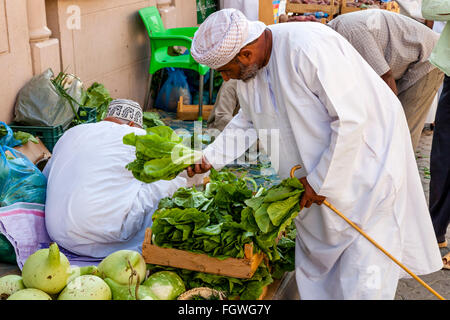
(390, 81)
(437, 10)
(235, 139)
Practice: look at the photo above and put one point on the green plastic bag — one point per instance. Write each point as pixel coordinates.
(7, 253)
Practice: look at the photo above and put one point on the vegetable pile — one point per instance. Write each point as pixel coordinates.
(226, 215)
(206, 221)
(160, 154)
(96, 96)
(47, 275)
(221, 219)
(233, 288)
(270, 212)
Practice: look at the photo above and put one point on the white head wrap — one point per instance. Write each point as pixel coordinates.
(222, 35)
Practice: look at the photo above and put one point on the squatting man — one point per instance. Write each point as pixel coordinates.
(350, 141)
(94, 205)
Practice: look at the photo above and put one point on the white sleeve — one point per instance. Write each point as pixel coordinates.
(157, 190)
(237, 137)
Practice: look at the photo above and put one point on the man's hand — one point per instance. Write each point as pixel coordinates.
(309, 195)
(198, 168)
(390, 81)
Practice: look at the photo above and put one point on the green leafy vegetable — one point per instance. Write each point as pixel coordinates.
(96, 96)
(24, 137)
(286, 252)
(226, 215)
(160, 154)
(221, 233)
(152, 119)
(3, 131)
(278, 210)
(59, 83)
(232, 215)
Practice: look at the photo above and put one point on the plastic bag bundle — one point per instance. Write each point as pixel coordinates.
(7, 136)
(20, 179)
(173, 88)
(39, 104)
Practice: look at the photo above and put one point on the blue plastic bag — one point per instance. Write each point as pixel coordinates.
(173, 88)
(20, 179)
(8, 139)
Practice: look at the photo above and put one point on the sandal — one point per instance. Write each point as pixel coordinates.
(446, 261)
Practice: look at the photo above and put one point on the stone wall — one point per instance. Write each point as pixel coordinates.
(103, 41)
(15, 54)
(98, 40)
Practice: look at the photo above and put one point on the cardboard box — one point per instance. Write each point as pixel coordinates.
(35, 152)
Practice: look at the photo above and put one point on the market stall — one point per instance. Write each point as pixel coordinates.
(230, 236)
(259, 269)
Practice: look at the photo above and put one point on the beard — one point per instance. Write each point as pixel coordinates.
(247, 72)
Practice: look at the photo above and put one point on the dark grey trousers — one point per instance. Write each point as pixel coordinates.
(440, 165)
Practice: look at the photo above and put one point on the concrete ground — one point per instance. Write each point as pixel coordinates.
(410, 289)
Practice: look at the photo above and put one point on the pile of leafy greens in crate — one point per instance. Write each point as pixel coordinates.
(205, 221)
(221, 219)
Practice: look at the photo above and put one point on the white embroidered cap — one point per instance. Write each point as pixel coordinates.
(126, 109)
(222, 35)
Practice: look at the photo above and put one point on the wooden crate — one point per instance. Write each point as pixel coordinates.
(190, 112)
(231, 267)
(332, 9)
(390, 6)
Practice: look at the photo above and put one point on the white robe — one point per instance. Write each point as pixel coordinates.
(340, 121)
(94, 205)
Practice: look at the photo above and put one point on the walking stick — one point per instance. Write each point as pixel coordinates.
(375, 244)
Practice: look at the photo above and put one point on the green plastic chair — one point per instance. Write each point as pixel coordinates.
(160, 40)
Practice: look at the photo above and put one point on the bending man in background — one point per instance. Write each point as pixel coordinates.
(397, 48)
